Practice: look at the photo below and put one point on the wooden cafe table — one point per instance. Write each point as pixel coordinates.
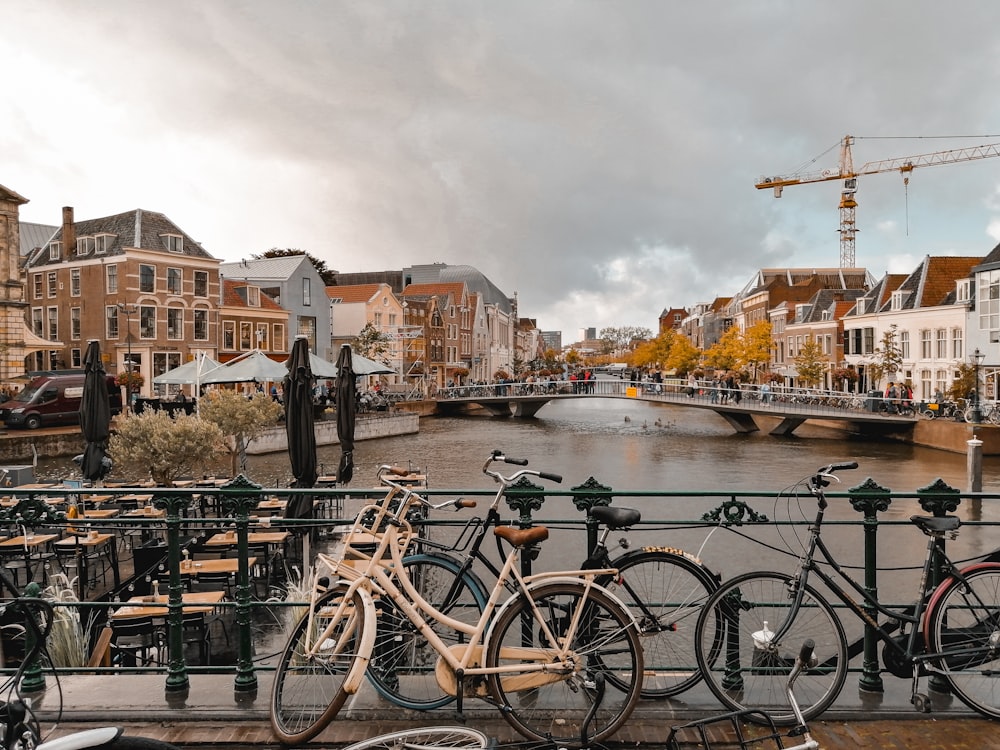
(156, 606)
(27, 544)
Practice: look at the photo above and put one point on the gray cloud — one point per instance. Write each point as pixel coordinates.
(596, 158)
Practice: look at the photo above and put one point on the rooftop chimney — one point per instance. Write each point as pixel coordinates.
(68, 233)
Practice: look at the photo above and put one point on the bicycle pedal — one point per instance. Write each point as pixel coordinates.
(921, 702)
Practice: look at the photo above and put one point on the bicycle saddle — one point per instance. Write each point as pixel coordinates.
(931, 524)
(616, 518)
(521, 537)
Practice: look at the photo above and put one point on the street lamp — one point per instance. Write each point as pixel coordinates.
(977, 412)
(128, 311)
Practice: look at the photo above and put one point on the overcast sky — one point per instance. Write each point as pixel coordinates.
(596, 158)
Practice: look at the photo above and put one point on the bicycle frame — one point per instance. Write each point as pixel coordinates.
(912, 652)
(369, 575)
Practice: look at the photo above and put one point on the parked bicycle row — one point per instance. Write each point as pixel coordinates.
(565, 655)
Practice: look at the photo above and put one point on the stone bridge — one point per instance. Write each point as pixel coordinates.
(792, 408)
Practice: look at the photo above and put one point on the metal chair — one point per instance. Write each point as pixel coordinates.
(136, 642)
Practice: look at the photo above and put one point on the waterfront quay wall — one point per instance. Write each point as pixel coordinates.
(16, 445)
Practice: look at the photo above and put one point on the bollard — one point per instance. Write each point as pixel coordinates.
(974, 464)
(870, 498)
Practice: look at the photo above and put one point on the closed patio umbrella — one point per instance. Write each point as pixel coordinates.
(299, 427)
(346, 414)
(95, 415)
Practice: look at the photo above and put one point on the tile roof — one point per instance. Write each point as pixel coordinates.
(353, 293)
(134, 229)
(234, 296)
(440, 289)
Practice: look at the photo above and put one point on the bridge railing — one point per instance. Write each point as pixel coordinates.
(731, 532)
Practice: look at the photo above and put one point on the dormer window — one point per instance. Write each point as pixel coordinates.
(827, 316)
(253, 296)
(173, 242)
(103, 242)
(899, 299)
(55, 250)
(84, 245)
(859, 308)
(962, 289)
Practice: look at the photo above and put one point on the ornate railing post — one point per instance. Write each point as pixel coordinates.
(869, 498)
(239, 497)
(33, 680)
(174, 507)
(524, 497)
(938, 499)
(586, 496)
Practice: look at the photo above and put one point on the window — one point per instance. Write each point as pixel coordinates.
(307, 292)
(278, 340)
(55, 250)
(957, 347)
(962, 290)
(74, 323)
(925, 344)
(898, 300)
(925, 385)
(147, 322)
(147, 278)
(942, 343)
(53, 315)
(392, 320)
(84, 245)
(262, 342)
(36, 321)
(253, 296)
(307, 328)
(36, 285)
(173, 242)
(52, 283)
(904, 344)
(111, 316)
(103, 242)
(75, 359)
(869, 341)
(74, 282)
(111, 279)
(229, 334)
(377, 320)
(941, 380)
(201, 325)
(174, 280)
(164, 362)
(201, 283)
(988, 301)
(246, 329)
(175, 323)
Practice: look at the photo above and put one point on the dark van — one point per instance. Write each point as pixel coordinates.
(52, 399)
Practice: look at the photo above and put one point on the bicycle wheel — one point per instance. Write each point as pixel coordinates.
(402, 665)
(745, 668)
(308, 690)
(425, 738)
(963, 622)
(665, 592)
(567, 709)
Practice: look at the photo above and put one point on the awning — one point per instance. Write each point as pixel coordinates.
(34, 343)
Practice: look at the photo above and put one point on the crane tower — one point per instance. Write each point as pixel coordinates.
(846, 172)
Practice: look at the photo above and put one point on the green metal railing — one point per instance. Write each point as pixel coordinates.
(735, 511)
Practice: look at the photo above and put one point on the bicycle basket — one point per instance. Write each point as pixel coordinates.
(726, 731)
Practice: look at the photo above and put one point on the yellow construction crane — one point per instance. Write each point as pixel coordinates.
(904, 165)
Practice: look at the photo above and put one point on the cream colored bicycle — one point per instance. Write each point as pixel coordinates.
(560, 658)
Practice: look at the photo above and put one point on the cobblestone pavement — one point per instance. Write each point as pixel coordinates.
(211, 715)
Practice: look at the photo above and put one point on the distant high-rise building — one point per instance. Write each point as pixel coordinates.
(552, 340)
(588, 334)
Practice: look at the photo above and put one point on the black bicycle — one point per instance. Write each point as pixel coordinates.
(664, 588)
(748, 629)
(21, 729)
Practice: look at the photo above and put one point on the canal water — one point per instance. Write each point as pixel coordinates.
(632, 445)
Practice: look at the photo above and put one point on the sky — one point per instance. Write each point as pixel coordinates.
(597, 159)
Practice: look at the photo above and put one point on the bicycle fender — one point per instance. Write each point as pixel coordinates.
(556, 579)
(357, 674)
(84, 739)
(946, 584)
